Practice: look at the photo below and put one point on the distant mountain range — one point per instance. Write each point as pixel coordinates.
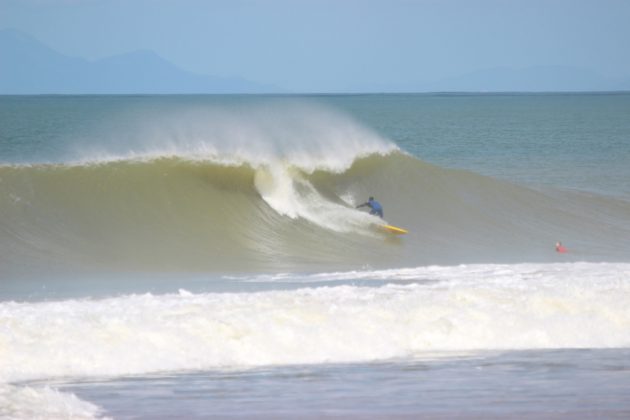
(29, 67)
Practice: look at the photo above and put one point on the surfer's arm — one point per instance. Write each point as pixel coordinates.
(362, 205)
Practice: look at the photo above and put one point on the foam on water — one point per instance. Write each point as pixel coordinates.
(27, 402)
(290, 194)
(467, 308)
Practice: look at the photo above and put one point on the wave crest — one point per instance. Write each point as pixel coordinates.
(302, 135)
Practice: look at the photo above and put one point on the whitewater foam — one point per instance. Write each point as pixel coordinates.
(292, 195)
(27, 402)
(468, 308)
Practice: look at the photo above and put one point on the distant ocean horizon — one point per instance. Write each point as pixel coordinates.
(303, 94)
(201, 256)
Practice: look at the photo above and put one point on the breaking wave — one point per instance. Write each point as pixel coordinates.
(274, 189)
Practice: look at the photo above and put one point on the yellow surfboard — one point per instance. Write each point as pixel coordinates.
(394, 229)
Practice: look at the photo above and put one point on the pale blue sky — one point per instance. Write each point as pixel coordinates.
(328, 45)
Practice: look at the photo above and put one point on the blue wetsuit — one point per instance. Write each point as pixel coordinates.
(375, 207)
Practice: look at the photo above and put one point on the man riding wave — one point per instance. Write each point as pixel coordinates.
(375, 207)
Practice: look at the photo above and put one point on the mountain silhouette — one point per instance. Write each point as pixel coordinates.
(29, 67)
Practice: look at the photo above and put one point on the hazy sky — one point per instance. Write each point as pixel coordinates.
(311, 45)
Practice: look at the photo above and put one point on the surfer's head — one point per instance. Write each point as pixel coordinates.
(371, 199)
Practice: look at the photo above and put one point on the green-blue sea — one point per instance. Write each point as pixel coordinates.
(205, 256)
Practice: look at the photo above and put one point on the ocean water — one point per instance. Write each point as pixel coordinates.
(201, 256)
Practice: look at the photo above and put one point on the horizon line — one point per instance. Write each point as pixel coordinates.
(340, 93)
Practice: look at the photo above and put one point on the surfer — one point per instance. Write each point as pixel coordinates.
(375, 207)
(560, 248)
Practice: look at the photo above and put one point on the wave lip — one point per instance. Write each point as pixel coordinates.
(295, 133)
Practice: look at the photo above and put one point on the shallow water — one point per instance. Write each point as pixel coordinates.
(517, 384)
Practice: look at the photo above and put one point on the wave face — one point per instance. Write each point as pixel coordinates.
(274, 189)
(177, 214)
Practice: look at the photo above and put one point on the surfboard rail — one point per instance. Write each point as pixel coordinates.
(394, 229)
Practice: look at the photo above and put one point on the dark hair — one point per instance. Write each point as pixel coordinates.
(371, 198)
